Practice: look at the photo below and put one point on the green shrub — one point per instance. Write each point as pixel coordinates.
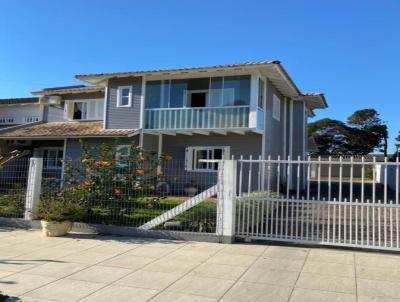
(12, 205)
(59, 208)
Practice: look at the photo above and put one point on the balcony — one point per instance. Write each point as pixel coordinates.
(197, 118)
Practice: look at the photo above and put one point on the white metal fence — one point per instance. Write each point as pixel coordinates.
(281, 200)
(273, 199)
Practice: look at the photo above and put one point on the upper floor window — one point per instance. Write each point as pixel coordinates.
(276, 108)
(7, 120)
(261, 84)
(85, 110)
(198, 92)
(80, 111)
(124, 96)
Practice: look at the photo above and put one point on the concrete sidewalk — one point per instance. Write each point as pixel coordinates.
(106, 268)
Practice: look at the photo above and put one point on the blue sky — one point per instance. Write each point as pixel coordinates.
(347, 49)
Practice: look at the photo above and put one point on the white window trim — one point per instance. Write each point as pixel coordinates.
(119, 97)
(189, 160)
(276, 107)
(96, 113)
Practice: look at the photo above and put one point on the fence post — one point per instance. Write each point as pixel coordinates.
(226, 206)
(34, 185)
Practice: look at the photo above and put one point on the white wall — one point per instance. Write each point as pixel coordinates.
(19, 112)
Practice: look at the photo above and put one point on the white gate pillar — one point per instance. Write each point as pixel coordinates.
(226, 206)
(34, 186)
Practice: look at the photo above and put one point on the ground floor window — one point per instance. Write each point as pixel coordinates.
(122, 154)
(52, 158)
(194, 155)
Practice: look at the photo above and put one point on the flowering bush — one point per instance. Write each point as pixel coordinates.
(112, 189)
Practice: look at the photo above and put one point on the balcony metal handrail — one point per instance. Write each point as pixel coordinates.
(197, 117)
(208, 107)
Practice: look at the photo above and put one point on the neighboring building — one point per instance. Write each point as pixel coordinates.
(18, 111)
(250, 109)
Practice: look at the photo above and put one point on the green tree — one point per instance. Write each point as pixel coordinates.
(363, 133)
(397, 144)
(331, 136)
(372, 132)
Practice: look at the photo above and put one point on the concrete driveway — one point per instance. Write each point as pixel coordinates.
(106, 268)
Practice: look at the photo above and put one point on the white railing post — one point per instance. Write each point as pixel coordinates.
(226, 206)
(34, 186)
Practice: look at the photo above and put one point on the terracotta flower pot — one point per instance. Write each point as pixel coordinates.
(55, 229)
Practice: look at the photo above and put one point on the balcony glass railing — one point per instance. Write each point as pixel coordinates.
(197, 118)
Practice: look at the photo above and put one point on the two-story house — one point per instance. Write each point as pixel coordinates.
(18, 111)
(190, 113)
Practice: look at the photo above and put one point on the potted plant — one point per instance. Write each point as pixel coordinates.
(57, 214)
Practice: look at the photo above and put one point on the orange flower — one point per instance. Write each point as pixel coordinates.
(118, 191)
(86, 184)
(88, 170)
(139, 172)
(141, 158)
(102, 164)
(167, 157)
(85, 160)
(149, 206)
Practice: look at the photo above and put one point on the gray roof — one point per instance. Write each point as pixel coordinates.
(12, 101)
(133, 73)
(69, 90)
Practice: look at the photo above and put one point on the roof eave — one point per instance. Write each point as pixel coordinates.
(97, 78)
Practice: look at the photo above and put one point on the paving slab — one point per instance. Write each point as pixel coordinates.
(65, 290)
(114, 293)
(86, 267)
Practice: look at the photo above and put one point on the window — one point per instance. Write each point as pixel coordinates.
(216, 92)
(122, 155)
(87, 110)
(31, 119)
(198, 92)
(124, 96)
(276, 108)
(122, 152)
(7, 120)
(260, 93)
(236, 91)
(194, 155)
(80, 111)
(197, 98)
(52, 158)
(177, 92)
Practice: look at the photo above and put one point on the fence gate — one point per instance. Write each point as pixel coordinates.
(341, 202)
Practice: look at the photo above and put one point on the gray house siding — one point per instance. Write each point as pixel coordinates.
(127, 117)
(246, 145)
(73, 150)
(298, 130)
(274, 129)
